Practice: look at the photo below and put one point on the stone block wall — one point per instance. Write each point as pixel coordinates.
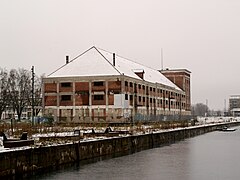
(19, 162)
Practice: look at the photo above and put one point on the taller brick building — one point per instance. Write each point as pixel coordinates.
(181, 77)
(100, 86)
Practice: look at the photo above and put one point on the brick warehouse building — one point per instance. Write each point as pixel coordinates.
(99, 86)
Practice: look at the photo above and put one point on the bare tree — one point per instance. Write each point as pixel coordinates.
(200, 109)
(38, 95)
(3, 90)
(20, 89)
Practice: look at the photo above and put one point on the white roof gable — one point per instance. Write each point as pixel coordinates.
(89, 63)
(98, 62)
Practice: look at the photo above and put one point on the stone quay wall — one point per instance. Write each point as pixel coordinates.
(29, 161)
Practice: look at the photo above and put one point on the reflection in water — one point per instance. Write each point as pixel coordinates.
(211, 156)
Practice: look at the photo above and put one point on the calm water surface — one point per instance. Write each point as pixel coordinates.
(210, 156)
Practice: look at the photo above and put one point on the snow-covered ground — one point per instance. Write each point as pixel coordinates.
(208, 120)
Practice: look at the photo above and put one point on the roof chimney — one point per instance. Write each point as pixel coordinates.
(113, 59)
(67, 59)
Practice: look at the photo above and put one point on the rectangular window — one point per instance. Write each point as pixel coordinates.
(143, 87)
(126, 96)
(126, 83)
(150, 88)
(98, 83)
(66, 84)
(143, 99)
(66, 97)
(139, 98)
(98, 97)
(131, 97)
(139, 86)
(153, 89)
(131, 84)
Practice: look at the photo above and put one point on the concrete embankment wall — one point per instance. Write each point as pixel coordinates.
(33, 160)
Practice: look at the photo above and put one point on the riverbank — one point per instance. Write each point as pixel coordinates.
(29, 160)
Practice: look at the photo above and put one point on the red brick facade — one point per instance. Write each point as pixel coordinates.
(182, 79)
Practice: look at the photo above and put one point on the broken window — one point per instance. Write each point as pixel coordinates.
(98, 97)
(98, 83)
(66, 97)
(66, 84)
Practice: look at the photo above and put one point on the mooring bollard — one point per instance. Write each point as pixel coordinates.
(81, 134)
(77, 132)
(1, 141)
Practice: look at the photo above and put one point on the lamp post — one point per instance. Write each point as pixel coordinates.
(32, 95)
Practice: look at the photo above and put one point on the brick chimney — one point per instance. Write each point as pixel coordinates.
(114, 58)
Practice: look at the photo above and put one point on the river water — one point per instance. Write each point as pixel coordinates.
(211, 156)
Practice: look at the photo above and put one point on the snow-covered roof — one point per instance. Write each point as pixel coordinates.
(98, 62)
(89, 63)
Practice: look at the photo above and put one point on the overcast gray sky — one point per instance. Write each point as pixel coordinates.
(202, 36)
